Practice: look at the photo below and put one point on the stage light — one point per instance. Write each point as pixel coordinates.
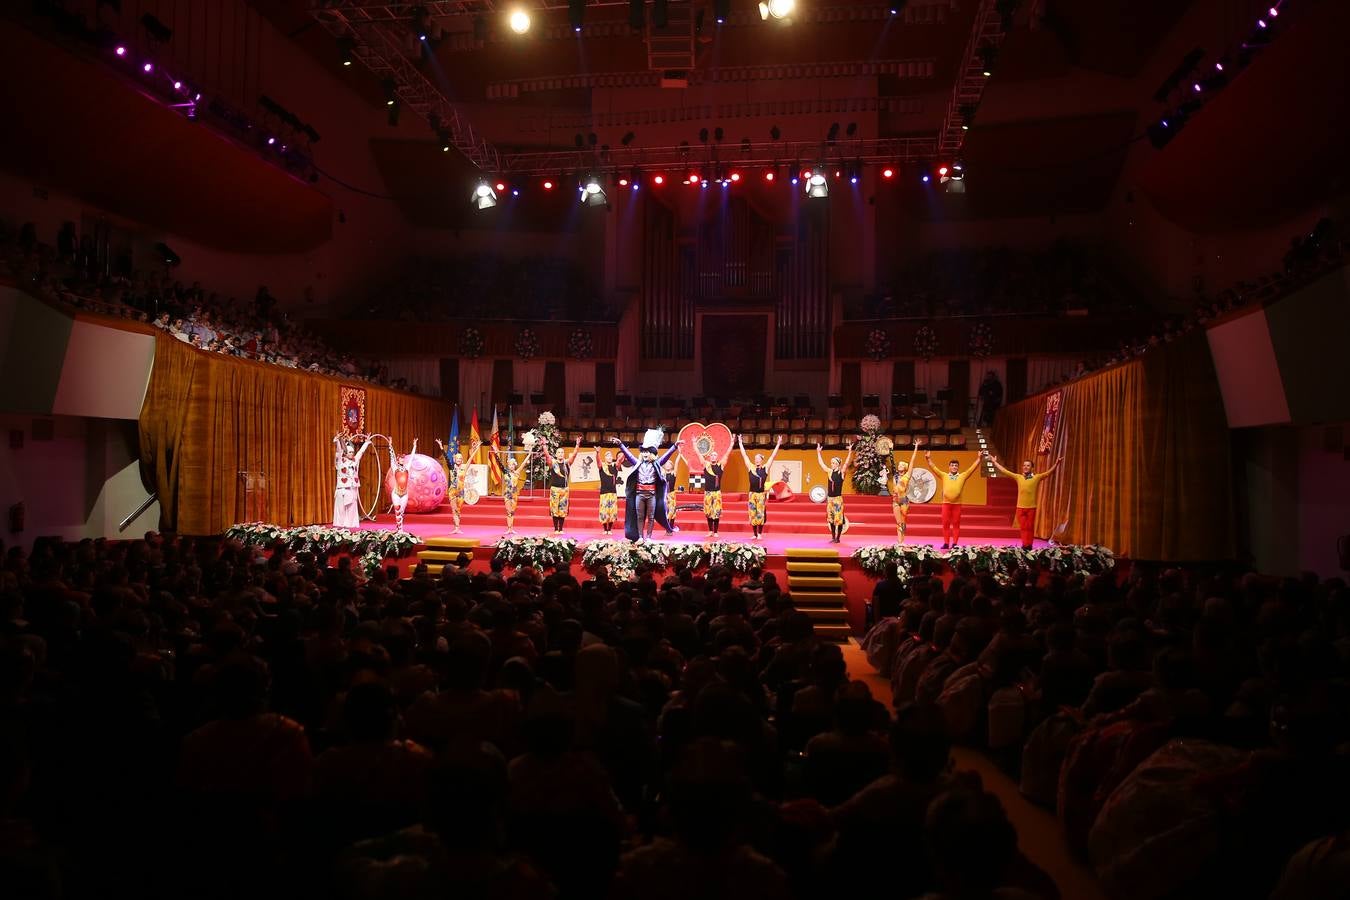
(576, 14)
(942, 171)
(693, 178)
(925, 178)
(853, 179)
(780, 9)
(515, 192)
(763, 10)
(592, 194)
(658, 179)
(987, 56)
(483, 196)
(178, 85)
(148, 67)
(345, 46)
(518, 20)
(735, 176)
(888, 172)
(121, 50)
(389, 91)
(958, 170)
(548, 185)
(817, 186)
(768, 176)
(1196, 87)
(271, 141)
(623, 182)
(500, 186)
(444, 137)
(720, 10)
(1274, 12)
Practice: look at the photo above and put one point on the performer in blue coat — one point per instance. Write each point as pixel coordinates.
(645, 492)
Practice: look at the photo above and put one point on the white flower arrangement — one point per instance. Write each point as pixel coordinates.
(374, 547)
(1000, 562)
(529, 439)
(739, 558)
(623, 559)
(535, 551)
(546, 418)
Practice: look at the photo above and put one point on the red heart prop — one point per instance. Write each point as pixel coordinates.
(697, 437)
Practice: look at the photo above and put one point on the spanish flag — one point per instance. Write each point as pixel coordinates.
(475, 439)
(494, 455)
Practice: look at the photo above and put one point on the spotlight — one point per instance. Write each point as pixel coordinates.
(148, 67)
(1274, 12)
(768, 176)
(515, 192)
(658, 179)
(500, 186)
(121, 50)
(888, 172)
(735, 176)
(443, 135)
(548, 185)
(635, 178)
(576, 14)
(178, 85)
(967, 116)
(483, 197)
(623, 182)
(518, 20)
(271, 141)
(345, 47)
(958, 170)
(987, 56)
(780, 9)
(393, 108)
(390, 97)
(720, 10)
(817, 186)
(942, 171)
(592, 194)
(693, 178)
(925, 178)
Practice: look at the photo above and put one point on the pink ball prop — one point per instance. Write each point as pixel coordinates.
(426, 483)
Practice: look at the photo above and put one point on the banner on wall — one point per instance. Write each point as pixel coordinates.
(585, 467)
(1051, 424)
(353, 410)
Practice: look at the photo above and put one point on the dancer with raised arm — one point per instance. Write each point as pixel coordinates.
(953, 485)
(347, 495)
(834, 490)
(900, 492)
(457, 480)
(645, 500)
(712, 490)
(559, 485)
(671, 469)
(399, 495)
(512, 479)
(1028, 487)
(609, 491)
(756, 499)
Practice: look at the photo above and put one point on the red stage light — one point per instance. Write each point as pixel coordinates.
(942, 170)
(548, 185)
(735, 176)
(659, 179)
(887, 173)
(623, 182)
(500, 186)
(693, 179)
(768, 176)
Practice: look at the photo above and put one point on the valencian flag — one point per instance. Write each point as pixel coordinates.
(494, 459)
(475, 439)
(454, 430)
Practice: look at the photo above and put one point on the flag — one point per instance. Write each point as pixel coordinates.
(510, 428)
(453, 444)
(494, 457)
(475, 439)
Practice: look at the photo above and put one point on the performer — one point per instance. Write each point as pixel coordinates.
(399, 495)
(455, 484)
(559, 485)
(953, 484)
(645, 500)
(759, 484)
(900, 493)
(609, 491)
(1028, 488)
(712, 490)
(672, 501)
(512, 479)
(347, 495)
(834, 490)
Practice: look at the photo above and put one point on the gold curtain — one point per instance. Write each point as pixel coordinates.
(208, 418)
(1146, 457)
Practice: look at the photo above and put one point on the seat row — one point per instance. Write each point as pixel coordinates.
(784, 425)
(936, 440)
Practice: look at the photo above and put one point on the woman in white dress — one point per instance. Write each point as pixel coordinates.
(347, 496)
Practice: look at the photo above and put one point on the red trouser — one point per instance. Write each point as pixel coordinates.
(1026, 525)
(951, 523)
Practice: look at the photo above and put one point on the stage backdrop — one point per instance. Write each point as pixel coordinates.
(208, 417)
(733, 355)
(1146, 456)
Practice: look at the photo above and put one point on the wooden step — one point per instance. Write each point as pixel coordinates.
(452, 543)
(839, 634)
(834, 583)
(817, 598)
(443, 556)
(795, 567)
(830, 614)
(815, 553)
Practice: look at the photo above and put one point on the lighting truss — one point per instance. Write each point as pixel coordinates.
(377, 44)
(985, 31)
(881, 151)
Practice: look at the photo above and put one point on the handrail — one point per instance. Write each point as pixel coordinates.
(145, 504)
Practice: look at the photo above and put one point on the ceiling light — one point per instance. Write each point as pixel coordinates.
(781, 8)
(817, 185)
(483, 197)
(519, 20)
(592, 194)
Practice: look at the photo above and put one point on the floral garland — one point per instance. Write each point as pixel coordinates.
(925, 343)
(878, 344)
(981, 340)
(471, 343)
(1001, 562)
(623, 559)
(869, 457)
(579, 344)
(739, 558)
(527, 344)
(538, 552)
(545, 438)
(374, 547)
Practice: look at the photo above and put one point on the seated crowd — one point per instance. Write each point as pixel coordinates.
(1001, 281)
(485, 286)
(257, 329)
(191, 718)
(1191, 727)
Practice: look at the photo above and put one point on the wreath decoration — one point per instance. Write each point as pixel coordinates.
(925, 343)
(527, 344)
(471, 343)
(579, 344)
(878, 344)
(981, 340)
